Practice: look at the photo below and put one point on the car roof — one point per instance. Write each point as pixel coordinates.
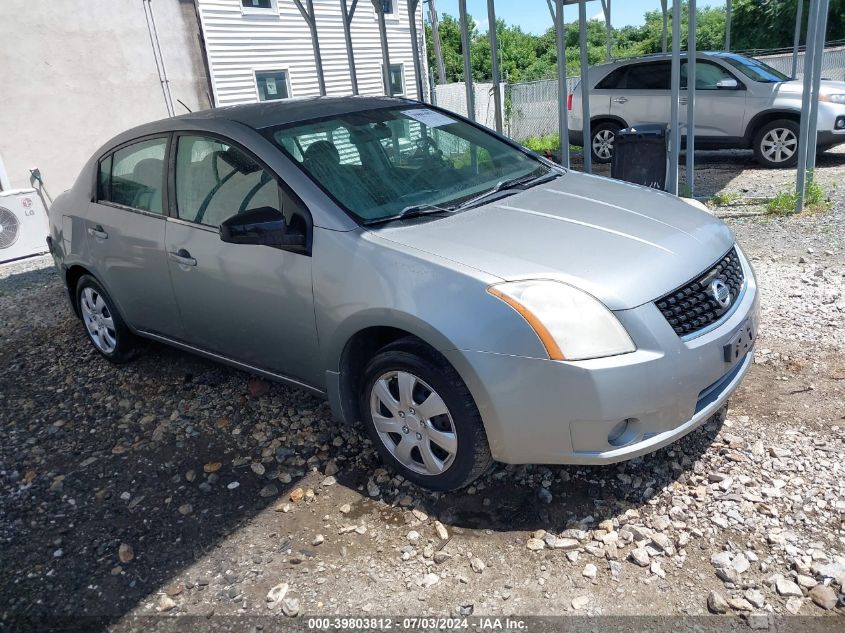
(260, 115)
(271, 113)
(656, 57)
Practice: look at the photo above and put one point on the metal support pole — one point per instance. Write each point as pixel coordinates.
(728, 20)
(308, 16)
(796, 42)
(462, 10)
(674, 127)
(818, 58)
(605, 5)
(413, 5)
(691, 52)
(348, 14)
(494, 64)
(562, 100)
(385, 51)
(435, 38)
(585, 88)
(665, 23)
(803, 131)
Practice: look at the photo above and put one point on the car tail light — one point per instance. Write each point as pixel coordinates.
(569, 103)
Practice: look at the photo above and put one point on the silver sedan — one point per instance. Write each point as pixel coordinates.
(462, 297)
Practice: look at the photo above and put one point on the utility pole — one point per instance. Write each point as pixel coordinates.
(435, 38)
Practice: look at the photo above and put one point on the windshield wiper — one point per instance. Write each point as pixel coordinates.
(413, 211)
(513, 183)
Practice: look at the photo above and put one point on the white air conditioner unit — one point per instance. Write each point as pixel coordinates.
(23, 224)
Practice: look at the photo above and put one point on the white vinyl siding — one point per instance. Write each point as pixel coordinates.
(238, 45)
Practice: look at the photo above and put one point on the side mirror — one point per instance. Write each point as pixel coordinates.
(728, 83)
(264, 226)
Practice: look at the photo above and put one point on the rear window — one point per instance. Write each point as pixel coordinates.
(614, 80)
(654, 76)
(133, 176)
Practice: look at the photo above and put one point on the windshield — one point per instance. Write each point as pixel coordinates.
(756, 70)
(377, 163)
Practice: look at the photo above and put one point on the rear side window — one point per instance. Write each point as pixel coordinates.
(134, 176)
(655, 76)
(215, 181)
(614, 80)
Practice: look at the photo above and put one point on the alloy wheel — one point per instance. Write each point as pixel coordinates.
(98, 320)
(413, 422)
(603, 144)
(779, 145)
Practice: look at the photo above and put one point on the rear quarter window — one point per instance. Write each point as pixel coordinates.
(614, 80)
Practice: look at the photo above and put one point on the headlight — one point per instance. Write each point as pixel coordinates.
(571, 324)
(840, 98)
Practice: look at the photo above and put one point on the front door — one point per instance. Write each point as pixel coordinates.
(126, 232)
(253, 304)
(719, 110)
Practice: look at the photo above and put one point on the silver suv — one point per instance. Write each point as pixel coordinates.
(740, 103)
(461, 296)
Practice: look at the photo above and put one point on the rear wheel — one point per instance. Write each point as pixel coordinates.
(776, 144)
(103, 325)
(603, 141)
(422, 418)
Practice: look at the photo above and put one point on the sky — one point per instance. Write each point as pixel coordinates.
(533, 15)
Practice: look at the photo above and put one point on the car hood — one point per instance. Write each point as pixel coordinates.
(796, 87)
(624, 244)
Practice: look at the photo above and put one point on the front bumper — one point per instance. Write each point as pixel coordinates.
(550, 412)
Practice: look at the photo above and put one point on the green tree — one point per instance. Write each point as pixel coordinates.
(764, 24)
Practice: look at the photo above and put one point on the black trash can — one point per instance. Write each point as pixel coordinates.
(640, 155)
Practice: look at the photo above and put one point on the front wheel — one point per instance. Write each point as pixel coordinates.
(776, 144)
(422, 418)
(603, 141)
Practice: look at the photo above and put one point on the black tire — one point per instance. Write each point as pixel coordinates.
(125, 345)
(784, 125)
(472, 457)
(603, 128)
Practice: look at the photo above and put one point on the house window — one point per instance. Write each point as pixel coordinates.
(258, 6)
(387, 7)
(272, 84)
(397, 79)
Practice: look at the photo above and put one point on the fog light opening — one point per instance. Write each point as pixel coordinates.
(624, 433)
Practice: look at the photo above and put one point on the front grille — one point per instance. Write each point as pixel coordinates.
(693, 306)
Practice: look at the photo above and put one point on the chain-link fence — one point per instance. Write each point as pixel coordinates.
(453, 97)
(833, 63)
(531, 107)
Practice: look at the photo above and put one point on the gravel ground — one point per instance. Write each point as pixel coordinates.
(172, 485)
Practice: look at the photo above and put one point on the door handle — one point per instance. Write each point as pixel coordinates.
(98, 232)
(620, 100)
(182, 257)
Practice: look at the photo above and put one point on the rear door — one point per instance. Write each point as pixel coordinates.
(253, 304)
(719, 112)
(643, 94)
(125, 228)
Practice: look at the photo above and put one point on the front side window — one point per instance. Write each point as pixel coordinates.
(377, 163)
(215, 181)
(136, 177)
(707, 75)
(653, 76)
(272, 85)
(397, 79)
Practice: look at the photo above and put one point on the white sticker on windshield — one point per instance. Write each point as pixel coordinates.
(428, 117)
